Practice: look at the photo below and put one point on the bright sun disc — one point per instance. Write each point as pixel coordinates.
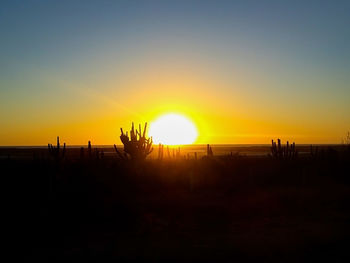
(173, 129)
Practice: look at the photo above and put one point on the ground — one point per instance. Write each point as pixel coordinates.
(219, 209)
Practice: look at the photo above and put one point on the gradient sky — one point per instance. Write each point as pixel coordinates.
(243, 71)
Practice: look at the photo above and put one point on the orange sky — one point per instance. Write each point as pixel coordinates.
(244, 73)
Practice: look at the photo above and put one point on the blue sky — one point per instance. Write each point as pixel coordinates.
(294, 53)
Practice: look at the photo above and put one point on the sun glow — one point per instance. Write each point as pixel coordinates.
(173, 129)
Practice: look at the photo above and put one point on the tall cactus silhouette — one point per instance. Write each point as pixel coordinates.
(89, 149)
(137, 146)
(209, 151)
(283, 152)
(56, 152)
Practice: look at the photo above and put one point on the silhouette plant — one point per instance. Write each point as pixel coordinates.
(209, 151)
(119, 153)
(280, 152)
(89, 149)
(168, 151)
(346, 140)
(137, 146)
(160, 151)
(56, 152)
(176, 153)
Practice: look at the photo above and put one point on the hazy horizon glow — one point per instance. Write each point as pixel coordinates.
(243, 71)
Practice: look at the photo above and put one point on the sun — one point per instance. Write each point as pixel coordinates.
(173, 129)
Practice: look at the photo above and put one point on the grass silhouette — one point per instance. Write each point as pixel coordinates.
(217, 208)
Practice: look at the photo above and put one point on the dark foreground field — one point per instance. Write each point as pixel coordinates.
(219, 209)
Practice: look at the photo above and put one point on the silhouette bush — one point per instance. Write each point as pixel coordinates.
(209, 151)
(56, 152)
(280, 152)
(137, 147)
